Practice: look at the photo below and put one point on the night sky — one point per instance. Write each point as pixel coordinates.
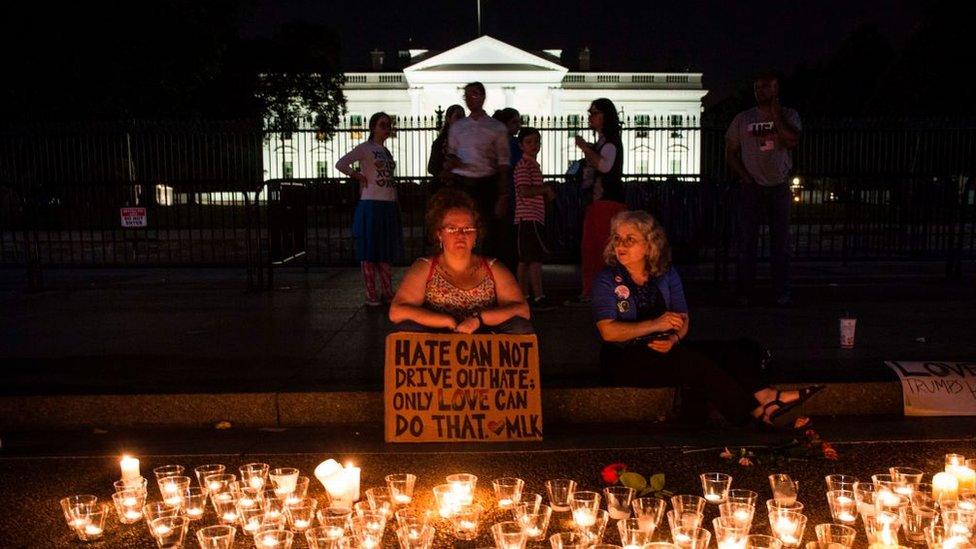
(727, 41)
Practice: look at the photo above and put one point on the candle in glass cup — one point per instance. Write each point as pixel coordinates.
(715, 486)
(462, 487)
(843, 507)
(953, 460)
(945, 486)
(508, 491)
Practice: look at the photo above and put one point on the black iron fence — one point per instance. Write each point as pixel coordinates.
(864, 189)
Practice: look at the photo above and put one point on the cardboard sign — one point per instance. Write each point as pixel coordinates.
(456, 387)
(937, 388)
(133, 217)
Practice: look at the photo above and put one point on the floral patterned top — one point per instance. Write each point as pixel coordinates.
(442, 296)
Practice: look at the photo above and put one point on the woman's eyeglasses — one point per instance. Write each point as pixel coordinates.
(625, 242)
(464, 231)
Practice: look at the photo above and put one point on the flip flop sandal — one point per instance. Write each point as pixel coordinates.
(785, 407)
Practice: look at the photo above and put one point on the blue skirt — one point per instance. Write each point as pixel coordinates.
(378, 232)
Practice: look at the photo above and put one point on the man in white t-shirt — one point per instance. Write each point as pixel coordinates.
(480, 144)
(759, 150)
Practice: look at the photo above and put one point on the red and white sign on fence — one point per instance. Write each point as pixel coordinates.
(133, 217)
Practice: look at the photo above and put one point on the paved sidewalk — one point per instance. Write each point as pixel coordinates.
(198, 330)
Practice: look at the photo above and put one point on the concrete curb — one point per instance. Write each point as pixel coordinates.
(578, 405)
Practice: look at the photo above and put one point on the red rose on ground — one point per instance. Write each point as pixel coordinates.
(726, 454)
(745, 462)
(611, 473)
(801, 422)
(829, 452)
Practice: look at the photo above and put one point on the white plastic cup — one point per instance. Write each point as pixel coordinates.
(847, 327)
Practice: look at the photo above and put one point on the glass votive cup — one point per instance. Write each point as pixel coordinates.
(864, 495)
(683, 503)
(128, 505)
(168, 471)
(204, 471)
(836, 533)
(567, 540)
(158, 509)
(251, 519)
(840, 482)
(886, 500)
(299, 493)
(409, 516)
(740, 495)
(783, 487)
(332, 526)
(380, 499)
(89, 521)
(883, 480)
(778, 507)
(715, 486)
(618, 501)
(904, 476)
(882, 528)
(324, 537)
(172, 489)
(225, 505)
(632, 534)
(415, 538)
(762, 541)
(368, 527)
(936, 537)
(536, 524)
(508, 491)
(444, 499)
(958, 522)
(463, 486)
(594, 532)
(466, 521)
(248, 497)
(132, 484)
(530, 503)
(216, 537)
(686, 521)
(584, 505)
(220, 483)
(254, 475)
(649, 512)
(921, 488)
(274, 539)
(697, 538)
(728, 533)
(739, 513)
(194, 502)
(283, 480)
(788, 527)
(843, 506)
(401, 486)
(918, 516)
(560, 490)
(301, 517)
(954, 460)
(508, 535)
(170, 532)
(273, 506)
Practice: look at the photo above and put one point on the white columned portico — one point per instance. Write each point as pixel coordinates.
(415, 95)
(509, 95)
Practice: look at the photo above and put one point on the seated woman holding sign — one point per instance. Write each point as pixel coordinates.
(458, 290)
(641, 314)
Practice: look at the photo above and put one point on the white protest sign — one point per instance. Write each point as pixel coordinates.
(133, 217)
(937, 388)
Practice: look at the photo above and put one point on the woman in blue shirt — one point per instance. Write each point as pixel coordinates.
(640, 311)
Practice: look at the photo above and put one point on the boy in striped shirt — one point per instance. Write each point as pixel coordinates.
(530, 217)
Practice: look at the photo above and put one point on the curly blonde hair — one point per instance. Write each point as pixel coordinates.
(658, 250)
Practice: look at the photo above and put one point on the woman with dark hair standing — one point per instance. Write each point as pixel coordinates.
(603, 186)
(376, 223)
(440, 164)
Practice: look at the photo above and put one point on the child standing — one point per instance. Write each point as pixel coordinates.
(376, 223)
(530, 218)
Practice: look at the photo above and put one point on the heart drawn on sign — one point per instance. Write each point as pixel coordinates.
(496, 426)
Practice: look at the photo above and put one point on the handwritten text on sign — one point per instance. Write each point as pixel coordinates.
(937, 388)
(452, 387)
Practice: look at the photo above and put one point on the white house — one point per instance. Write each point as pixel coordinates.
(535, 83)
